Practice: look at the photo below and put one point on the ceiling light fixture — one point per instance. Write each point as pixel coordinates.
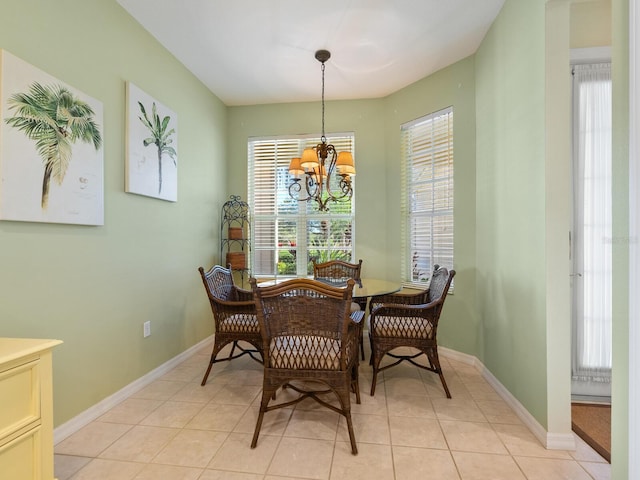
(318, 165)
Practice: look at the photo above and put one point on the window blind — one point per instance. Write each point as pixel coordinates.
(288, 234)
(427, 196)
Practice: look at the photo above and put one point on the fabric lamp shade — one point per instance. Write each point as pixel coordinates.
(295, 169)
(344, 164)
(309, 159)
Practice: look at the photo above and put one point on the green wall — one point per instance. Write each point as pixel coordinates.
(510, 112)
(93, 287)
(620, 250)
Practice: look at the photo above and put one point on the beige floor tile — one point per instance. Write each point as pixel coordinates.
(315, 424)
(457, 409)
(231, 394)
(373, 462)
(196, 393)
(520, 441)
(394, 386)
(224, 475)
(172, 414)
(101, 469)
(472, 437)
(585, 453)
(92, 439)
(551, 469)
(67, 465)
(422, 463)
(191, 448)
(168, 472)
(497, 411)
(131, 411)
(278, 477)
(416, 432)
(176, 429)
(159, 390)
(481, 390)
(599, 471)
(183, 373)
(235, 454)
(367, 429)
(484, 466)
(410, 406)
(301, 457)
(217, 417)
(273, 423)
(139, 444)
(373, 405)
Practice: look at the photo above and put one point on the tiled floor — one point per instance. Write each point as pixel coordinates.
(175, 429)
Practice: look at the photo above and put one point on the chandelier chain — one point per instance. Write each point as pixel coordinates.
(323, 138)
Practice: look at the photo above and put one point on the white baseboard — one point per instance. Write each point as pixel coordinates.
(76, 423)
(550, 440)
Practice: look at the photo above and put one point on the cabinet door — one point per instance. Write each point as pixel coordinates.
(20, 394)
(21, 457)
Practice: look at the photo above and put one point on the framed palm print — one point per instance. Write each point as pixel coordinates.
(51, 148)
(152, 147)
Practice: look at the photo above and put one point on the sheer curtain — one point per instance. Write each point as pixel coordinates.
(592, 234)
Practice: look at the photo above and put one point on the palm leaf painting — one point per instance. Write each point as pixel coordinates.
(161, 137)
(152, 146)
(53, 117)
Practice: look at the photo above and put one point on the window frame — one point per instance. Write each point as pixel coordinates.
(305, 213)
(414, 154)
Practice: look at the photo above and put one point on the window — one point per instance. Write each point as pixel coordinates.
(427, 204)
(286, 234)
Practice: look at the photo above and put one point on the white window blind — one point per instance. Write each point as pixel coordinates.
(288, 234)
(427, 195)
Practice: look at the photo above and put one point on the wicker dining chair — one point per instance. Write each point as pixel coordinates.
(234, 314)
(310, 346)
(409, 320)
(338, 271)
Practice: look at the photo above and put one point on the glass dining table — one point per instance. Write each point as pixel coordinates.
(364, 288)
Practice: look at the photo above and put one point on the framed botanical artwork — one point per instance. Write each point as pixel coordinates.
(152, 147)
(51, 148)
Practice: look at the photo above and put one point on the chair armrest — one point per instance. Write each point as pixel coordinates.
(418, 298)
(400, 310)
(230, 304)
(244, 295)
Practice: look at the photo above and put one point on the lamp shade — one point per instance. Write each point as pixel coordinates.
(295, 169)
(309, 159)
(344, 164)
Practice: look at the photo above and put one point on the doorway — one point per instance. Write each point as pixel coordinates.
(591, 232)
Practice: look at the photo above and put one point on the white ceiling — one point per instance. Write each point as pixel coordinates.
(262, 51)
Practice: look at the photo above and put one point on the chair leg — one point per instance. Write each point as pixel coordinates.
(375, 363)
(206, 375)
(214, 353)
(355, 382)
(345, 403)
(435, 362)
(352, 435)
(266, 395)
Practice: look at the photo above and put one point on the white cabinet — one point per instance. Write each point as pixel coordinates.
(26, 415)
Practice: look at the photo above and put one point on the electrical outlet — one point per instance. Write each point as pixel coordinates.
(147, 329)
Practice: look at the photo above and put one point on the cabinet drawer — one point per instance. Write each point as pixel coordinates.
(20, 394)
(20, 458)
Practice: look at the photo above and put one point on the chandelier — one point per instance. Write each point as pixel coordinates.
(318, 165)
